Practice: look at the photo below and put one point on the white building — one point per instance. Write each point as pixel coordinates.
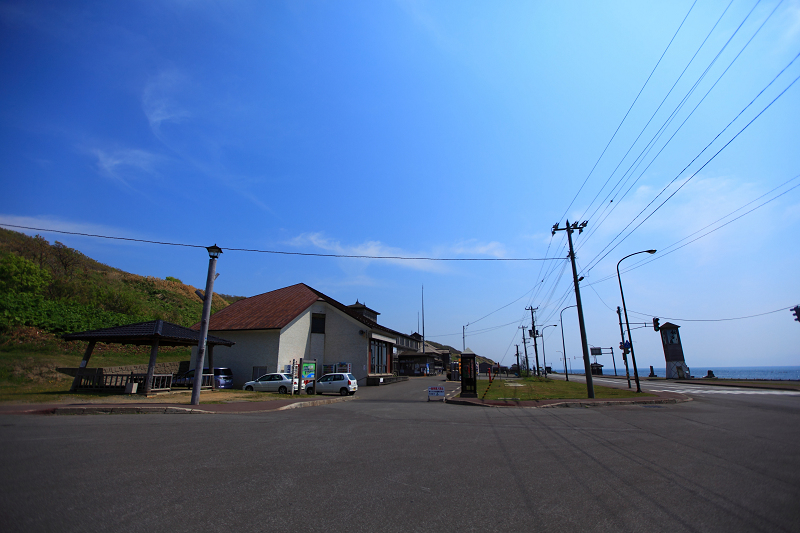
(273, 329)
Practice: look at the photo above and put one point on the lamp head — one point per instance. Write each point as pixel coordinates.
(651, 252)
(214, 251)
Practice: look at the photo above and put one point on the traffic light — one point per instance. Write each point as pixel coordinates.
(655, 324)
(622, 347)
(796, 312)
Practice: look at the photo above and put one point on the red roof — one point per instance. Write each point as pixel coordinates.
(271, 310)
(275, 309)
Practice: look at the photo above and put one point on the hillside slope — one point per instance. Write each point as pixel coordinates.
(59, 289)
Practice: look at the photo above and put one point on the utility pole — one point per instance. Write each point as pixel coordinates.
(518, 369)
(622, 347)
(585, 345)
(533, 336)
(525, 347)
(463, 337)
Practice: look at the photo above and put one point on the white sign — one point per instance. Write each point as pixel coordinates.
(436, 391)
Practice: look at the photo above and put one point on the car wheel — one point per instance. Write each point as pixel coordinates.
(249, 387)
(343, 391)
(310, 390)
(282, 389)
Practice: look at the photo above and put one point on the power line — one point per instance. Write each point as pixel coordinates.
(666, 124)
(714, 319)
(583, 216)
(663, 253)
(629, 109)
(280, 252)
(596, 261)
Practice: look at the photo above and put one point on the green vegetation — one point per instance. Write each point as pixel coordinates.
(60, 290)
(539, 388)
(29, 358)
(50, 289)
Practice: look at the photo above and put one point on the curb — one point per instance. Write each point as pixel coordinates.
(579, 403)
(171, 409)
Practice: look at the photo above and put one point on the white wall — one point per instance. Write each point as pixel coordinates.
(252, 348)
(343, 342)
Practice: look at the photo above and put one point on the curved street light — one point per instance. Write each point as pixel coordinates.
(544, 354)
(630, 339)
(563, 346)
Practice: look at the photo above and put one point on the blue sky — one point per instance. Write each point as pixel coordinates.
(427, 129)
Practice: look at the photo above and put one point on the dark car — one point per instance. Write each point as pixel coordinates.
(223, 378)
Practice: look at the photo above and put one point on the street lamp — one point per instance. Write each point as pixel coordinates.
(630, 339)
(213, 253)
(561, 321)
(544, 354)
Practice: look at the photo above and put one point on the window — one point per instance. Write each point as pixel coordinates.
(317, 323)
(377, 361)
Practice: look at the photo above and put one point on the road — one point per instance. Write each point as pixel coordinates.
(391, 461)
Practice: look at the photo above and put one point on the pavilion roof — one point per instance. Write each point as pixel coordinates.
(167, 334)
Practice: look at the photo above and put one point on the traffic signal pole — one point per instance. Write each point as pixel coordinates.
(622, 347)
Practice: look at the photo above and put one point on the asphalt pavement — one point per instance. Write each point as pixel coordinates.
(389, 460)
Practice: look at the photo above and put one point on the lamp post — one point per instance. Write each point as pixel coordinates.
(213, 253)
(630, 339)
(563, 346)
(544, 354)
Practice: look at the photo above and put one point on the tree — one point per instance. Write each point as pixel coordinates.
(18, 274)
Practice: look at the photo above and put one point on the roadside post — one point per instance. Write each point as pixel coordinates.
(436, 392)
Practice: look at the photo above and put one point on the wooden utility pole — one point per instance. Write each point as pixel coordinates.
(533, 336)
(587, 365)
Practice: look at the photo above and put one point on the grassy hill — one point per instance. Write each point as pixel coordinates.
(50, 289)
(58, 289)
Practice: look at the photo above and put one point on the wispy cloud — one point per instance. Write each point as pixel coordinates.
(125, 165)
(159, 99)
(469, 248)
(54, 223)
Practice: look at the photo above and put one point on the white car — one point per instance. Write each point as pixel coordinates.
(272, 383)
(338, 383)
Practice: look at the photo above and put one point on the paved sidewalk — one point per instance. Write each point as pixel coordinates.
(165, 408)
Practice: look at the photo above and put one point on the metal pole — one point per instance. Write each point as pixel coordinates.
(201, 345)
(627, 324)
(544, 354)
(525, 347)
(624, 357)
(561, 320)
(613, 360)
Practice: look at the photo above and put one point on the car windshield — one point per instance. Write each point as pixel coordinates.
(223, 372)
(351, 376)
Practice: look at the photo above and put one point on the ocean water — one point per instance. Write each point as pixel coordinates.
(723, 372)
(736, 372)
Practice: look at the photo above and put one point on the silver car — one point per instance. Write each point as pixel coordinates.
(338, 383)
(277, 382)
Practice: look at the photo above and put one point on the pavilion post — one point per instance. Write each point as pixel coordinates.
(85, 361)
(151, 368)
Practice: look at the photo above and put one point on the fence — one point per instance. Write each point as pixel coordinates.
(95, 379)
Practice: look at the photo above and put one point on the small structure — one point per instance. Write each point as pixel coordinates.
(469, 376)
(597, 369)
(673, 352)
(154, 333)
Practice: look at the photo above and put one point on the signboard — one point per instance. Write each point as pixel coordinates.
(596, 351)
(437, 391)
(309, 371)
